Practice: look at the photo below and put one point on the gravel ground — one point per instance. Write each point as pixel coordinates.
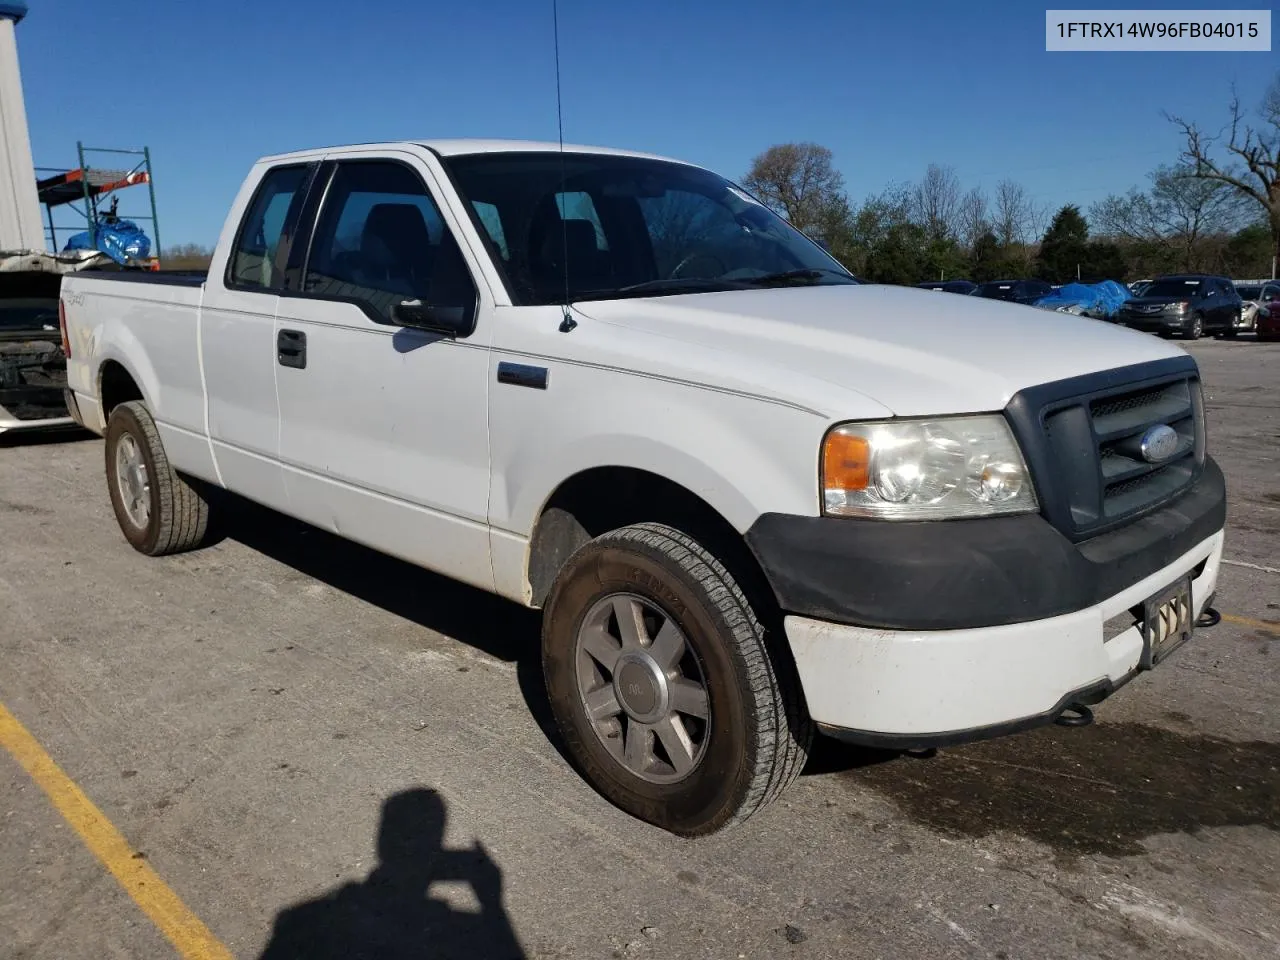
(284, 716)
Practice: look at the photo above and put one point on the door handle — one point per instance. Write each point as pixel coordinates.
(291, 349)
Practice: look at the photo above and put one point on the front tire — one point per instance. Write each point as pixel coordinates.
(158, 511)
(670, 702)
(1195, 329)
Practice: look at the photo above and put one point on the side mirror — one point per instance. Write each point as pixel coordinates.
(449, 321)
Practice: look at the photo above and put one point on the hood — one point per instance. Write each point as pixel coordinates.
(912, 352)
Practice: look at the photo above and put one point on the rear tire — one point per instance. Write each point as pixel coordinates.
(158, 511)
(735, 746)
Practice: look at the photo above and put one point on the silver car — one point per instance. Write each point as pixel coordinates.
(1253, 295)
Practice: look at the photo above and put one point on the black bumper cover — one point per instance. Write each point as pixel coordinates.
(955, 574)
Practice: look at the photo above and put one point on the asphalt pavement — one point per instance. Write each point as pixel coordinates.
(314, 746)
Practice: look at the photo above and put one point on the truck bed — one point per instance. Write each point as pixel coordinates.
(149, 322)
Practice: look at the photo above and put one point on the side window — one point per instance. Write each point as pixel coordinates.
(380, 240)
(254, 261)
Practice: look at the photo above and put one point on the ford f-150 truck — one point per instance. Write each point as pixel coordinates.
(750, 495)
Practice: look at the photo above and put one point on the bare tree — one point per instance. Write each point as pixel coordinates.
(972, 219)
(1015, 214)
(1178, 213)
(798, 181)
(936, 202)
(1251, 166)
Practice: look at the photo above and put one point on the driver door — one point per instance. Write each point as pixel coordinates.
(384, 429)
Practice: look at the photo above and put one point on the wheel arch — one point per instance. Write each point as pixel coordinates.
(603, 498)
(116, 385)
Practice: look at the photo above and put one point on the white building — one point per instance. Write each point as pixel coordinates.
(20, 225)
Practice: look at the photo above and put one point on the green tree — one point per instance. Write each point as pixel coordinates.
(900, 255)
(1248, 253)
(1103, 260)
(1064, 247)
(986, 259)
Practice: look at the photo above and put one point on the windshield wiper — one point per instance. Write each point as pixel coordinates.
(664, 285)
(787, 276)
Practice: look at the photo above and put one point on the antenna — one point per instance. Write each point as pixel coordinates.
(568, 323)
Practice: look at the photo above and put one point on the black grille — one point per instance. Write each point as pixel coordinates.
(1084, 445)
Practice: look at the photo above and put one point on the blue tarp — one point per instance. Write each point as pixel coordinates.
(122, 241)
(1100, 300)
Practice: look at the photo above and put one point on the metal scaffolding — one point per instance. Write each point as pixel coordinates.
(82, 188)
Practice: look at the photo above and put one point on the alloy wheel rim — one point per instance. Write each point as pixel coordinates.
(642, 688)
(133, 482)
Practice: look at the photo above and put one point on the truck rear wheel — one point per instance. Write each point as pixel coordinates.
(664, 689)
(158, 511)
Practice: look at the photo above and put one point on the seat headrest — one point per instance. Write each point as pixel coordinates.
(396, 226)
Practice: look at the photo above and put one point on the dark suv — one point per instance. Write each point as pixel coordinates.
(1188, 304)
(1015, 291)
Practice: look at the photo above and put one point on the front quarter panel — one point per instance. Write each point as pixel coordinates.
(743, 455)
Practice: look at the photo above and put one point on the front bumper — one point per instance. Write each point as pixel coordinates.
(913, 634)
(912, 689)
(30, 411)
(1158, 322)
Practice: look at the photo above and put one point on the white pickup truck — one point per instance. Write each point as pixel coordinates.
(751, 495)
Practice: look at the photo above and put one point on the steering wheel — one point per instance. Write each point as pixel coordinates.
(694, 257)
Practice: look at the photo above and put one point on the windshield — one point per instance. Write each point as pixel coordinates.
(1249, 293)
(617, 226)
(36, 313)
(1172, 288)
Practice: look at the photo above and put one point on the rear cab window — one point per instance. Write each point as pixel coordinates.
(257, 258)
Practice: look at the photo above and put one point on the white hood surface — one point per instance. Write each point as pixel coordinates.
(915, 352)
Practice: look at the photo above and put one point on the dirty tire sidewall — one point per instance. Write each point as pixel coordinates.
(742, 768)
(179, 515)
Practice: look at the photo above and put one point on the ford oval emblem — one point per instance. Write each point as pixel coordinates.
(1159, 443)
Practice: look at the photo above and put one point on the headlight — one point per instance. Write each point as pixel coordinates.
(925, 469)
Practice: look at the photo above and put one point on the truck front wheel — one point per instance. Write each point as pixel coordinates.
(668, 698)
(158, 511)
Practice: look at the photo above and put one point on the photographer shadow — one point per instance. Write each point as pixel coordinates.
(392, 914)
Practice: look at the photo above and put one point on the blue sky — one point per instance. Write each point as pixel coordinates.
(888, 87)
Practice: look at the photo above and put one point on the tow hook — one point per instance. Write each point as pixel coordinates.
(1209, 618)
(1074, 715)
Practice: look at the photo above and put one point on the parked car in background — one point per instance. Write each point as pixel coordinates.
(1252, 296)
(1014, 291)
(949, 286)
(1189, 305)
(1098, 301)
(1267, 324)
(33, 367)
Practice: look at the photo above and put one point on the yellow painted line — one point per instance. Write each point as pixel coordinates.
(1272, 626)
(192, 938)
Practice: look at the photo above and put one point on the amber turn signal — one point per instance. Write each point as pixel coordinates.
(846, 461)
